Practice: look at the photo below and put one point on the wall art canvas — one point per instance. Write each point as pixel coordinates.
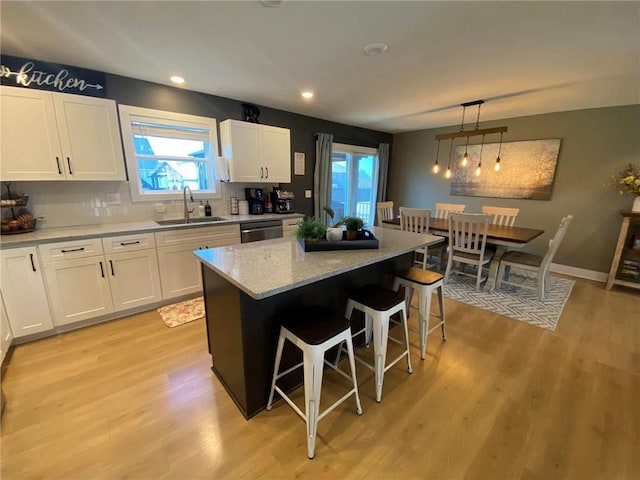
(526, 170)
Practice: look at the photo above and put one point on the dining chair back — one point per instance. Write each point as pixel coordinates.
(502, 215)
(538, 264)
(444, 209)
(467, 244)
(384, 211)
(416, 220)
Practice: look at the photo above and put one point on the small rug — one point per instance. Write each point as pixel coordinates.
(182, 312)
(513, 301)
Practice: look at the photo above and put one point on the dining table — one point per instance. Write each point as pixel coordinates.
(503, 237)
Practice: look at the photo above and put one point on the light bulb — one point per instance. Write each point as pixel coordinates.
(478, 171)
(465, 159)
(436, 167)
(447, 173)
(497, 166)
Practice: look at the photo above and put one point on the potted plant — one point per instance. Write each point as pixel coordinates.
(353, 225)
(334, 232)
(310, 229)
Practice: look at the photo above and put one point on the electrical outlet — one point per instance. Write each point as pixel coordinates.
(307, 194)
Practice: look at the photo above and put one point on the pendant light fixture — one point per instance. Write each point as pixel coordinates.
(436, 167)
(479, 169)
(470, 133)
(465, 158)
(497, 165)
(447, 174)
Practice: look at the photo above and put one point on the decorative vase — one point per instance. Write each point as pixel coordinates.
(334, 234)
(636, 204)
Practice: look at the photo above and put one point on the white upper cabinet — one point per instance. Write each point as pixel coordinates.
(255, 152)
(57, 136)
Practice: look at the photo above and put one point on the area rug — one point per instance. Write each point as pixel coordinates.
(182, 312)
(514, 301)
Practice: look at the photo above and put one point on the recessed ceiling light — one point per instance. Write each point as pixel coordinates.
(307, 94)
(375, 49)
(272, 3)
(177, 79)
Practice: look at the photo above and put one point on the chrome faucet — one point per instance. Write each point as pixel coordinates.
(186, 209)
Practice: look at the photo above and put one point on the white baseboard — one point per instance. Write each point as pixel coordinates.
(579, 272)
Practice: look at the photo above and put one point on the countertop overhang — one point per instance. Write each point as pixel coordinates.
(267, 268)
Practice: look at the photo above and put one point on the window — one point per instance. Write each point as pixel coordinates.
(167, 152)
(354, 179)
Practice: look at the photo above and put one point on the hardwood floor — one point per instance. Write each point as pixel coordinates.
(500, 399)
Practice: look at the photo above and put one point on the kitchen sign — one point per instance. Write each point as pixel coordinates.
(22, 72)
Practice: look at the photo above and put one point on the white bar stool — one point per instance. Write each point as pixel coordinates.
(314, 330)
(378, 305)
(425, 282)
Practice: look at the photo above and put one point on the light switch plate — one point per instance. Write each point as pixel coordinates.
(307, 194)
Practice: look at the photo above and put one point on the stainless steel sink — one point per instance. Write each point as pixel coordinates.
(182, 221)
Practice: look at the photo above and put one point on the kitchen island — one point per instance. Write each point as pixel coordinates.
(246, 287)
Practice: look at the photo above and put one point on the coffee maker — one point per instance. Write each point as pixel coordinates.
(255, 197)
(282, 201)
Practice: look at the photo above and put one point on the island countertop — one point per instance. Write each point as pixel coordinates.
(266, 268)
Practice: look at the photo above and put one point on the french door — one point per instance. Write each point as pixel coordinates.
(354, 181)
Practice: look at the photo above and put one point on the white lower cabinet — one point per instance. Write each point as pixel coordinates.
(92, 278)
(179, 268)
(78, 289)
(23, 292)
(134, 279)
(133, 270)
(289, 226)
(5, 331)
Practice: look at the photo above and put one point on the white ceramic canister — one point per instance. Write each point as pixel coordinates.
(243, 207)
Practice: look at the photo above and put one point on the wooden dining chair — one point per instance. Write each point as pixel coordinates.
(502, 215)
(530, 262)
(467, 242)
(444, 209)
(416, 220)
(384, 211)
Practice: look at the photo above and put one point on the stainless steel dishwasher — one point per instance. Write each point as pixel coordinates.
(262, 230)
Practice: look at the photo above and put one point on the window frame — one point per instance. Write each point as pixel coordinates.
(128, 113)
(352, 150)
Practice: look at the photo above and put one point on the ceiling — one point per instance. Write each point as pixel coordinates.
(522, 58)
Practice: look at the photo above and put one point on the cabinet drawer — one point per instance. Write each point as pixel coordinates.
(53, 252)
(290, 224)
(128, 243)
(221, 235)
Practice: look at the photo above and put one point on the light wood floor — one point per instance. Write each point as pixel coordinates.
(500, 399)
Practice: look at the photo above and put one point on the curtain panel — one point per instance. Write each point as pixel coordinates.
(322, 175)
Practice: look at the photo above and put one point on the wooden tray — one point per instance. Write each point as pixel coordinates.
(365, 240)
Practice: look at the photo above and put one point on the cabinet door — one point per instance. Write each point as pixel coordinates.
(90, 137)
(241, 147)
(5, 331)
(23, 292)
(30, 145)
(275, 148)
(179, 270)
(134, 279)
(79, 289)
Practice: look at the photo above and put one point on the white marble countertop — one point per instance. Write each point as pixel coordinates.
(263, 269)
(92, 231)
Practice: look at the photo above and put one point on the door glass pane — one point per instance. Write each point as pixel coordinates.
(339, 184)
(365, 190)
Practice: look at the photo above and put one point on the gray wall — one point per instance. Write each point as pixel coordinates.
(129, 91)
(595, 145)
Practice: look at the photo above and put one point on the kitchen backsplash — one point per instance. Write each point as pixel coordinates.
(66, 204)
